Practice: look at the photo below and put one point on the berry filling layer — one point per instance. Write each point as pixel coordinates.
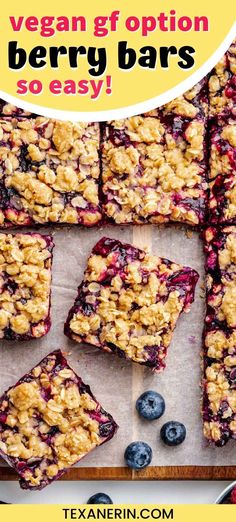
(8, 109)
(154, 165)
(129, 302)
(49, 172)
(25, 285)
(219, 352)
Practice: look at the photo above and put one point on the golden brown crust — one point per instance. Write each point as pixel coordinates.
(219, 355)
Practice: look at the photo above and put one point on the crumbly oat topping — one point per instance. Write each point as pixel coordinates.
(218, 389)
(25, 280)
(181, 107)
(222, 201)
(219, 392)
(212, 431)
(154, 165)
(222, 84)
(49, 421)
(223, 143)
(49, 171)
(129, 302)
(222, 97)
(220, 344)
(221, 276)
(8, 109)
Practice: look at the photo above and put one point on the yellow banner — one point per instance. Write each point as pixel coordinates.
(95, 57)
(129, 512)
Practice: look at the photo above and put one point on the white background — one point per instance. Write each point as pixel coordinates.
(155, 492)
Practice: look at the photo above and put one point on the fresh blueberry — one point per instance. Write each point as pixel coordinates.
(138, 455)
(173, 433)
(150, 405)
(100, 498)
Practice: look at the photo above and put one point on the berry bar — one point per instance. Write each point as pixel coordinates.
(219, 382)
(25, 281)
(154, 165)
(49, 421)
(220, 248)
(49, 172)
(129, 302)
(222, 200)
(222, 85)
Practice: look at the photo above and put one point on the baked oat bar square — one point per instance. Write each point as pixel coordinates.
(220, 249)
(222, 174)
(49, 172)
(219, 402)
(219, 352)
(25, 285)
(154, 165)
(129, 301)
(222, 85)
(49, 421)
(8, 109)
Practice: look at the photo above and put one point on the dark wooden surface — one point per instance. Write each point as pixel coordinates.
(150, 473)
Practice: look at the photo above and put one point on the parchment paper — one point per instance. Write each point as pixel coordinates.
(117, 383)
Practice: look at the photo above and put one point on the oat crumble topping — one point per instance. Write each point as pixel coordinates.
(25, 280)
(154, 165)
(154, 169)
(50, 420)
(8, 109)
(222, 84)
(221, 276)
(219, 355)
(129, 302)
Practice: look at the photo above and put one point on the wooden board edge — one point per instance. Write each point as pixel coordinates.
(150, 473)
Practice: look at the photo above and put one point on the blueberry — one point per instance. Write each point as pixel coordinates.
(138, 455)
(100, 498)
(173, 433)
(150, 405)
